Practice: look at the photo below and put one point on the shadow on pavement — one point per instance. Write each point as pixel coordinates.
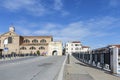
(81, 64)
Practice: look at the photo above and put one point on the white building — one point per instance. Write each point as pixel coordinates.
(85, 49)
(75, 47)
(55, 48)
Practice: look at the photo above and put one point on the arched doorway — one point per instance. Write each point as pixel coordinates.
(54, 53)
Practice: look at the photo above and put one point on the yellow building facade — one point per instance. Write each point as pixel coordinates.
(11, 42)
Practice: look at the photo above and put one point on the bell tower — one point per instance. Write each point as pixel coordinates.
(12, 29)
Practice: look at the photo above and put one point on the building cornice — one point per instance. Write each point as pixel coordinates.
(37, 36)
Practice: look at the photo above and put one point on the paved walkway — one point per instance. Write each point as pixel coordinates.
(77, 70)
(14, 58)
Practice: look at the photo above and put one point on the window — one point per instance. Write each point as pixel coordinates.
(23, 48)
(5, 41)
(42, 48)
(34, 41)
(9, 39)
(32, 48)
(77, 45)
(26, 41)
(66, 44)
(43, 41)
(71, 48)
(76, 48)
(119, 52)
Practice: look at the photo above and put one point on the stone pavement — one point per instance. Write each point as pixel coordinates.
(14, 58)
(77, 70)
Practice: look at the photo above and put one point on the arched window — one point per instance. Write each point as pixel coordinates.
(32, 48)
(42, 48)
(43, 41)
(23, 48)
(5, 41)
(26, 41)
(35, 41)
(9, 39)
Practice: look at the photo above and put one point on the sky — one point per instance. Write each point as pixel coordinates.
(96, 23)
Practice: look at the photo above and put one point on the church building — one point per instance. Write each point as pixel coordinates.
(10, 42)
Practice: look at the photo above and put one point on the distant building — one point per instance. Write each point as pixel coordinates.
(12, 43)
(75, 47)
(85, 49)
(55, 48)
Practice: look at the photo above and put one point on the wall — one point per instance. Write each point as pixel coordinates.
(55, 46)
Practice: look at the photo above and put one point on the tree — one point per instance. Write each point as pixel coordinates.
(38, 52)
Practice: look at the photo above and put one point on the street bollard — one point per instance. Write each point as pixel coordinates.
(68, 58)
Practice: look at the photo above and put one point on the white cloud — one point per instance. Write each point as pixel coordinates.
(103, 23)
(34, 7)
(30, 6)
(17, 4)
(23, 31)
(41, 32)
(114, 3)
(58, 4)
(93, 28)
(64, 13)
(49, 26)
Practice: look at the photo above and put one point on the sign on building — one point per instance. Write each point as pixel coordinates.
(6, 49)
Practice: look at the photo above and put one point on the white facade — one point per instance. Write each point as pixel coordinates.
(115, 60)
(55, 48)
(75, 47)
(85, 49)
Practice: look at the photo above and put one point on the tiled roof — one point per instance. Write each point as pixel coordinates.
(76, 42)
(85, 47)
(116, 45)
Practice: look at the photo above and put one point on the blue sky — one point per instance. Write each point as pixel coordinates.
(95, 23)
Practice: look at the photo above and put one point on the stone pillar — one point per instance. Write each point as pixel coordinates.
(116, 67)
